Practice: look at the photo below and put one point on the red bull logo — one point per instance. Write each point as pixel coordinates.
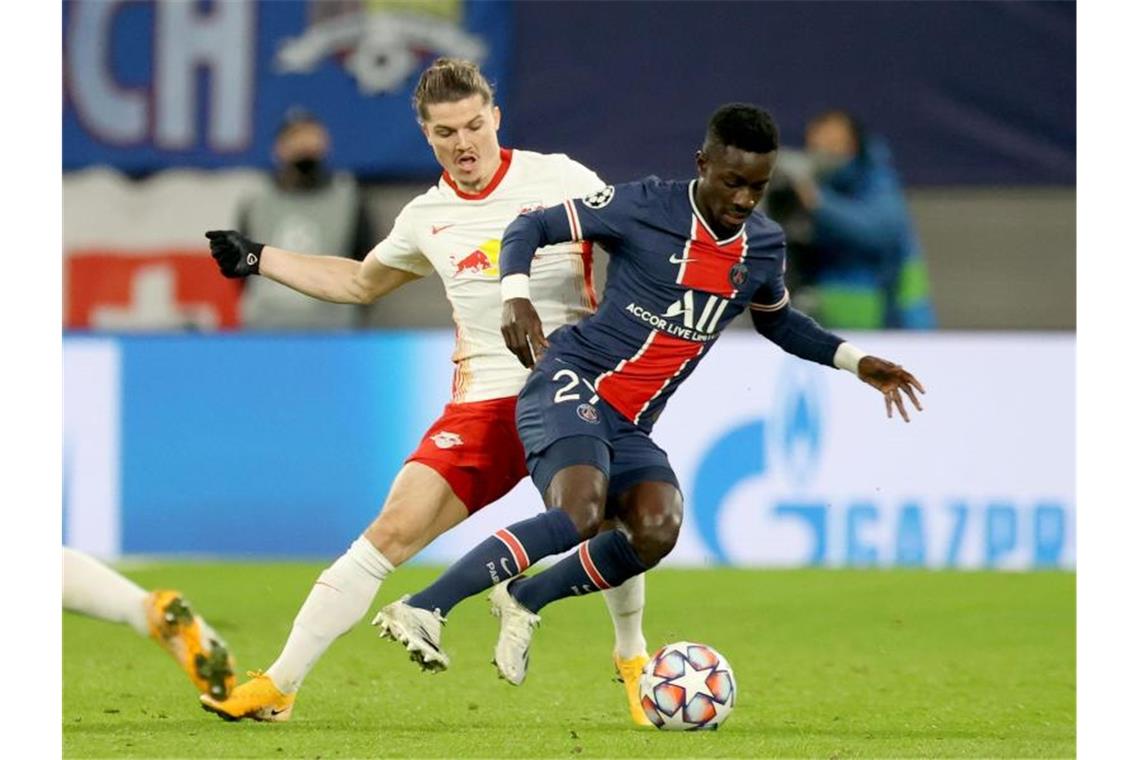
(476, 261)
(484, 260)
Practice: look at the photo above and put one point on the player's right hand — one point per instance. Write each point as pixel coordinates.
(237, 255)
(522, 330)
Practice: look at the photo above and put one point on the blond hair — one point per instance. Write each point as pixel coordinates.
(448, 80)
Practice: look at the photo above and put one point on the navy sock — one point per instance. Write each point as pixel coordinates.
(605, 561)
(504, 555)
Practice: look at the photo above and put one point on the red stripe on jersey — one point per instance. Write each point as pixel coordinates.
(522, 561)
(590, 568)
(588, 273)
(637, 381)
(707, 264)
(572, 220)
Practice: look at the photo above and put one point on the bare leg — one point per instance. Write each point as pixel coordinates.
(420, 507)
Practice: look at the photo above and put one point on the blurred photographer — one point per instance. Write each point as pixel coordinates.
(852, 250)
(307, 208)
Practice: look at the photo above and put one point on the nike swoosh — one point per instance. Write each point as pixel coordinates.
(275, 712)
(436, 230)
(425, 638)
(674, 260)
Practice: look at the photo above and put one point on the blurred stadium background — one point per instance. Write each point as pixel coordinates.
(187, 434)
(169, 116)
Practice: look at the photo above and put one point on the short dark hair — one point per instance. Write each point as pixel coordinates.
(448, 80)
(743, 126)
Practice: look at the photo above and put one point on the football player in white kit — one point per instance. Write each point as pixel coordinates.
(471, 456)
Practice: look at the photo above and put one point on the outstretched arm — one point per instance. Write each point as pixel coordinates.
(329, 278)
(801, 336)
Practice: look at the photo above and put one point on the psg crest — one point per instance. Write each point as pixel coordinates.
(738, 275)
(588, 413)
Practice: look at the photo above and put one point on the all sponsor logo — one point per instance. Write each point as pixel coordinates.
(699, 321)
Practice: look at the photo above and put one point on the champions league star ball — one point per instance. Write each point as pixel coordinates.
(687, 686)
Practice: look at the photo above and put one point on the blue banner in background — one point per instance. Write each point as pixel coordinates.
(278, 446)
(964, 93)
(152, 85)
(259, 445)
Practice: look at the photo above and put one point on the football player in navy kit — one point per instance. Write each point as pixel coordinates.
(686, 258)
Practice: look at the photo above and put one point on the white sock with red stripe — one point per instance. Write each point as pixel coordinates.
(626, 604)
(339, 599)
(94, 589)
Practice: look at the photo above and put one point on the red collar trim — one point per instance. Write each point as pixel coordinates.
(504, 164)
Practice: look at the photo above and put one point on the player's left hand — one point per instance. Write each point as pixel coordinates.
(889, 379)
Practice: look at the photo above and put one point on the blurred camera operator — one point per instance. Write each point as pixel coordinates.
(307, 208)
(852, 248)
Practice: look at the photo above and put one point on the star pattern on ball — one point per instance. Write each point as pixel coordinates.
(693, 680)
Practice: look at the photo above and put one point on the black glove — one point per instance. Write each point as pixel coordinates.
(237, 255)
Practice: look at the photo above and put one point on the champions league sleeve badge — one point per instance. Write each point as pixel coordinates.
(601, 198)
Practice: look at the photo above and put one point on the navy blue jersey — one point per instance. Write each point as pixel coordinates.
(671, 286)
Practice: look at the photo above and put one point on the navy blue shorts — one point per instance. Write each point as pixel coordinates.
(562, 423)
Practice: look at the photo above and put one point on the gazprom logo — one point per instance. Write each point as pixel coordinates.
(798, 429)
(782, 487)
(790, 441)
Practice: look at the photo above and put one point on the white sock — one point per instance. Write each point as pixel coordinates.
(94, 589)
(339, 599)
(626, 604)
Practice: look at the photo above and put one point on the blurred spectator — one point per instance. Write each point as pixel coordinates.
(307, 208)
(851, 238)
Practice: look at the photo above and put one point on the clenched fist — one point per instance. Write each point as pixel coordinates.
(237, 255)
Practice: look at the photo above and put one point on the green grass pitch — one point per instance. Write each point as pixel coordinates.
(831, 664)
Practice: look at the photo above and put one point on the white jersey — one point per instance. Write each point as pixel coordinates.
(458, 234)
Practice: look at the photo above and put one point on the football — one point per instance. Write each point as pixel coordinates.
(687, 686)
